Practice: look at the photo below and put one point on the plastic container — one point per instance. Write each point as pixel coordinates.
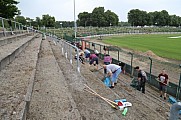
(125, 111)
(120, 100)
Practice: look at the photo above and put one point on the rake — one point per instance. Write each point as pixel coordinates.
(110, 102)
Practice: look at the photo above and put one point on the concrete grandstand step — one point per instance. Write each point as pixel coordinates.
(13, 38)
(15, 79)
(51, 99)
(9, 33)
(9, 51)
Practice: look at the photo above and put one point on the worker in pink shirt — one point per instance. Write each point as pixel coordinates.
(107, 61)
(94, 60)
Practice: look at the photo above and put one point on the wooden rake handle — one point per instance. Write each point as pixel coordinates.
(112, 103)
(103, 99)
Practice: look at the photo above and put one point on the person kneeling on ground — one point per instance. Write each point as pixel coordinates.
(93, 58)
(113, 71)
(81, 57)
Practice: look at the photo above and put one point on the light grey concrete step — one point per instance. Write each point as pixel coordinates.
(9, 33)
(13, 38)
(8, 52)
(51, 99)
(16, 80)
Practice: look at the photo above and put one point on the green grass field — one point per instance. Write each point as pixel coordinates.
(161, 45)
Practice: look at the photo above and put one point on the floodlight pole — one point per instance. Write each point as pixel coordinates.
(75, 26)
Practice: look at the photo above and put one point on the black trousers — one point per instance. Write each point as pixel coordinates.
(141, 86)
(81, 59)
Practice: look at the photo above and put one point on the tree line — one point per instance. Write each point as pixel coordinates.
(138, 17)
(47, 21)
(97, 18)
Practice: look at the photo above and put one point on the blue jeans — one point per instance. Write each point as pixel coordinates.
(115, 75)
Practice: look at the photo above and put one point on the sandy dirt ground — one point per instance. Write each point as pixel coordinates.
(91, 107)
(14, 80)
(59, 90)
(8, 48)
(51, 99)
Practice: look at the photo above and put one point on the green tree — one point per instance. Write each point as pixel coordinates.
(39, 22)
(84, 19)
(174, 20)
(137, 17)
(149, 19)
(163, 18)
(29, 21)
(160, 18)
(155, 17)
(34, 23)
(8, 8)
(20, 19)
(48, 21)
(98, 17)
(179, 21)
(111, 18)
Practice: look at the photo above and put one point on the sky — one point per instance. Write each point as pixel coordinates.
(63, 10)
